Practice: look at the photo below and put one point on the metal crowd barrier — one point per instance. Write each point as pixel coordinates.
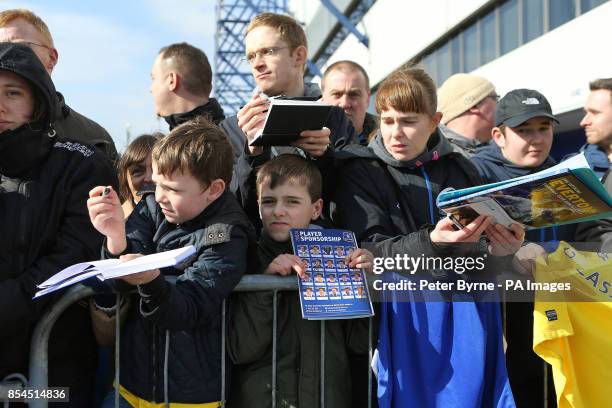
(39, 348)
(38, 370)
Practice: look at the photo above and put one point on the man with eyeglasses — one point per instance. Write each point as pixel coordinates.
(181, 81)
(23, 26)
(467, 103)
(276, 50)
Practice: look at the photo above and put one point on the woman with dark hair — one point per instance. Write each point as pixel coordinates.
(134, 170)
(436, 348)
(44, 186)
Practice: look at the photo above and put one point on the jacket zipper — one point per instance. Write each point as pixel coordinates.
(21, 249)
(154, 343)
(154, 350)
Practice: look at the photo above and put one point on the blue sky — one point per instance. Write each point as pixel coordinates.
(106, 50)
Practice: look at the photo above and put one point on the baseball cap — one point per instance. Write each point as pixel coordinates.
(520, 105)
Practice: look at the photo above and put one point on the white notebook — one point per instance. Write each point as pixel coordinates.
(113, 268)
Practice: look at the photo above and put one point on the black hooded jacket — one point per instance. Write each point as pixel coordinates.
(45, 227)
(392, 203)
(82, 129)
(210, 109)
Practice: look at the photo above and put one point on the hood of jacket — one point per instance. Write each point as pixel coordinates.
(22, 147)
(460, 143)
(492, 164)
(597, 158)
(62, 110)
(437, 147)
(211, 109)
(312, 90)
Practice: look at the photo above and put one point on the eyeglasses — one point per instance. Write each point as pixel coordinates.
(264, 53)
(30, 44)
(493, 96)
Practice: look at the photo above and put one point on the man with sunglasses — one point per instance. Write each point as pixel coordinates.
(23, 26)
(467, 103)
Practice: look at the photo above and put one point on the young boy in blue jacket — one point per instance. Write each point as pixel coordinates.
(171, 341)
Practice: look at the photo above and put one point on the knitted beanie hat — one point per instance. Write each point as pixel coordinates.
(460, 92)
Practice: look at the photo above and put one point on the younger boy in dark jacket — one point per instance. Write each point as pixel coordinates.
(289, 196)
(522, 139)
(171, 341)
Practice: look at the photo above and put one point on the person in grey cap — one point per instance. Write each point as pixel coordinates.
(523, 135)
(467, 103)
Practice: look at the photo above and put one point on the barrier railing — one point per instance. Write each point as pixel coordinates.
(249, 283)
(38, 370)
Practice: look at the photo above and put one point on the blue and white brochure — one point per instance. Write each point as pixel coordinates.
(330, 289)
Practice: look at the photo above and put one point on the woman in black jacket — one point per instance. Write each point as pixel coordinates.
(45, 180)
(431, 353)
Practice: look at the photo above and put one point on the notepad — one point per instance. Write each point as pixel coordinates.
(287, 118)
(114, 268)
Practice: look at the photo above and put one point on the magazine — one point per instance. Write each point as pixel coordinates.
(330, 289)
(113, 268)
(566, 193)
(287, 118)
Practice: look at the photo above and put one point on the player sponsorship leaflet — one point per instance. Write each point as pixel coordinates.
(330, 289)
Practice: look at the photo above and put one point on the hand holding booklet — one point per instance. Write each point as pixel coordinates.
(113, 268)
(566, 193)
(330, 289)
(287, 118)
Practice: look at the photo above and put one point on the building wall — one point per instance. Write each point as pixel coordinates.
(560, 63)
(399, 30)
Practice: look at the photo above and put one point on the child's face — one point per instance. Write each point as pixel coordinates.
(17, 100)
(181, 196)
(139, 174)
(527, 145)
(286, 206)
(405, 134)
